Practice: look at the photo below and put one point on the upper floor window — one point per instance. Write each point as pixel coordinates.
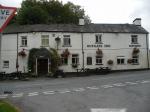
(89, 60)
(66, 40)
(75, 59)
(134, 39)
(98, 38)
(24, 41)
(45, 40)
(99, 60)
(6, 64)
(120, 60)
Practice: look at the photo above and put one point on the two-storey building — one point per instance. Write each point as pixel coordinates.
(117, 46)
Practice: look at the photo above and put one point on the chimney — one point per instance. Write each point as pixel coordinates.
(81, 22)
(137, 22)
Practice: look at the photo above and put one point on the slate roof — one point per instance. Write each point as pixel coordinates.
(90, 28)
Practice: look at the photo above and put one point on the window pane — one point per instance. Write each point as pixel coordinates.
(45, 40)
(89, 60)
(5, 64)
(24, 41)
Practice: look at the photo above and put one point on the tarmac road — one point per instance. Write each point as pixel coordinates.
(123, 91)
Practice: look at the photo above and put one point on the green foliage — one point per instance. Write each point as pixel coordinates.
(55, 59)
(6, 107)
(48, 12)
(31, 59)
(52, 54)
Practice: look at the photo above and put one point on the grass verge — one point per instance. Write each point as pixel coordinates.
(7, 107)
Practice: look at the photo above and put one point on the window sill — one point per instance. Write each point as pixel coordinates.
(134, 43)
(66, 46)
(44, 46)
(98, 64)
(135, 64)
(23, 46)
(98, 43)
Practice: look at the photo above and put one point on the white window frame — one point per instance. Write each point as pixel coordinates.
(121, 61)
(99, 60)
(98, 38)
(135, 60)
(134, 39)
(5, 64)
(67, 40)
(89, 61)
(64, 60)
(75, 59)
(45, 40)
(24, 41)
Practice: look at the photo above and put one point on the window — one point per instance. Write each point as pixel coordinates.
(98, 38)
(64, 60)
(5, 64)
(134, 39)
(66, 40)
(98, 60)
(75, 59)
(23, 41)
(135, 60)
(120, 60)
(45, 40)
(89, 60)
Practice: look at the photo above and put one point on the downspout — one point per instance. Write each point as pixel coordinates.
(0, 51)
(82, 51)
(17, 65)
(147, 45)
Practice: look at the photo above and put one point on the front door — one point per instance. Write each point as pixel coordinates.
(42, 66)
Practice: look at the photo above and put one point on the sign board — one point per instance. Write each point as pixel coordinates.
(6, 14)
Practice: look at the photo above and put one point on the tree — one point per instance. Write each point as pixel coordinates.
(49, 12)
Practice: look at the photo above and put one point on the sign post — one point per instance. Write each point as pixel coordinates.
(6, 14)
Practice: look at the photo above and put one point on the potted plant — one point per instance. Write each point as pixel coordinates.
(65, 53)
(129, 61)
(135, 51)
(110, 62)
(22, 53)
(99, 52)
(74, 65)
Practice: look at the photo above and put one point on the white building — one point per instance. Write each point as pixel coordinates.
(118, 46)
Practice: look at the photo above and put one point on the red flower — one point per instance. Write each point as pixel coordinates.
(22, 53)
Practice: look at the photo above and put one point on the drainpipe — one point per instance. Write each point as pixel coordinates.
(17, 65)
(147, 45)
(82, 51)
(0, 51)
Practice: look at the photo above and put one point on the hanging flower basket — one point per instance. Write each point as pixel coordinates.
(99, 52)
(57, 39)
(74, 65)
(110, 62)
(135, 51)
(22, 53)
(65, 53)
(129, 61)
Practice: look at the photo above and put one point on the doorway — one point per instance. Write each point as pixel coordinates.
(42, 66)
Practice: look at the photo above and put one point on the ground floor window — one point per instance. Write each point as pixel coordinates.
(75, 59)
(98, 60)
(64, 60)
(135, 60)
(120, 60)
(89, 60)
(6, 64)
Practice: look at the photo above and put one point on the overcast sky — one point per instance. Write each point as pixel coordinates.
(108, 11)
